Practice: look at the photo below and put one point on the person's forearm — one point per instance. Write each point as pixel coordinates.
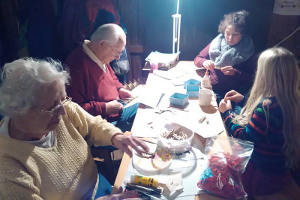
(202, 56)
(199, 61)
(95, 108)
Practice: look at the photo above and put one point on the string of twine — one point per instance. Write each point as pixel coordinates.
(287, 37)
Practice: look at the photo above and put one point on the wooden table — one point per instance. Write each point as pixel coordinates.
(291, 191)
(143, 116)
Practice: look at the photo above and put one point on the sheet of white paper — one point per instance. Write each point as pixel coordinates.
(148, 123)
(154, 91)
(169, 75)
(151, 97)
(165, 58)
(286, 7)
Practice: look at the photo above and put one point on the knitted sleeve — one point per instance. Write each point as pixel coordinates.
(98, 131)
(16, 182)
(254, 131)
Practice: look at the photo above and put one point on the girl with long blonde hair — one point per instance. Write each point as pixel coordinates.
(270, 119)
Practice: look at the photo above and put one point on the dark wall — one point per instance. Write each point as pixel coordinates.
(200, 20)
(149, 25)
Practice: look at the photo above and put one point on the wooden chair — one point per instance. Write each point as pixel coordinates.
(105, 163)
(103, 158)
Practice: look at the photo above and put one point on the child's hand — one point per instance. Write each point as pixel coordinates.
(234, 96)
(224, 105)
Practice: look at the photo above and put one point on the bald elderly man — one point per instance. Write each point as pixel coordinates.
(94, 84)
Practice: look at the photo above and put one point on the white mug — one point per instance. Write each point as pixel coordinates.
(205, 97)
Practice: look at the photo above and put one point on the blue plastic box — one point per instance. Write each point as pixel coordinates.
(192, 88)
(192, 85)
(178, 99)
(192, 94)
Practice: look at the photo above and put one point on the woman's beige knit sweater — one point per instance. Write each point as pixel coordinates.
(64, 171)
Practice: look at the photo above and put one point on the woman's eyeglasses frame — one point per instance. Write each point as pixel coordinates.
(54, 111)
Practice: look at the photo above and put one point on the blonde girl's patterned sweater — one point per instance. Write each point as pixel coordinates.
(64, 171)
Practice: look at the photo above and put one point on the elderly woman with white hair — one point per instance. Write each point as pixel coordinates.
(43, 153)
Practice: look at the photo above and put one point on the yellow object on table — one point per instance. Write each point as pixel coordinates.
(144, 181)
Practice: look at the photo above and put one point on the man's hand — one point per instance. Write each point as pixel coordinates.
(208, 64)
(124, 94)
(113, 107)
(123, 142)
(228, 70)
(224, 105)
(234, 96)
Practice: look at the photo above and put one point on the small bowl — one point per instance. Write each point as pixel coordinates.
(176, 145)
(178, 99)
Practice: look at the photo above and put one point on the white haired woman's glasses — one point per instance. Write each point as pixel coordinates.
(55, 110)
